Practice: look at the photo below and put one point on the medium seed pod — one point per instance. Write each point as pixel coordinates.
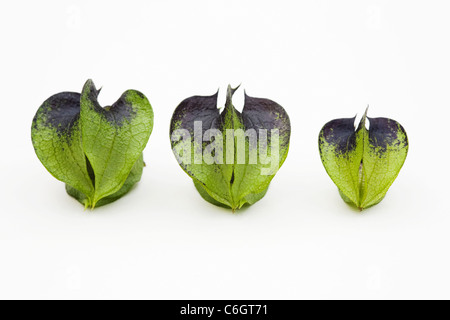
(232, 157)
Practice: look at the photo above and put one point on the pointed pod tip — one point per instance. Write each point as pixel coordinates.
(231, 91)
(362, 122)
(229, 95)
(87, 205)
(90, 88)
(89, 83)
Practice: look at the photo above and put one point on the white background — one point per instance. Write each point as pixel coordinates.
(319, 59)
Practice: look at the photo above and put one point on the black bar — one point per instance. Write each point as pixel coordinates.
(226, 309)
